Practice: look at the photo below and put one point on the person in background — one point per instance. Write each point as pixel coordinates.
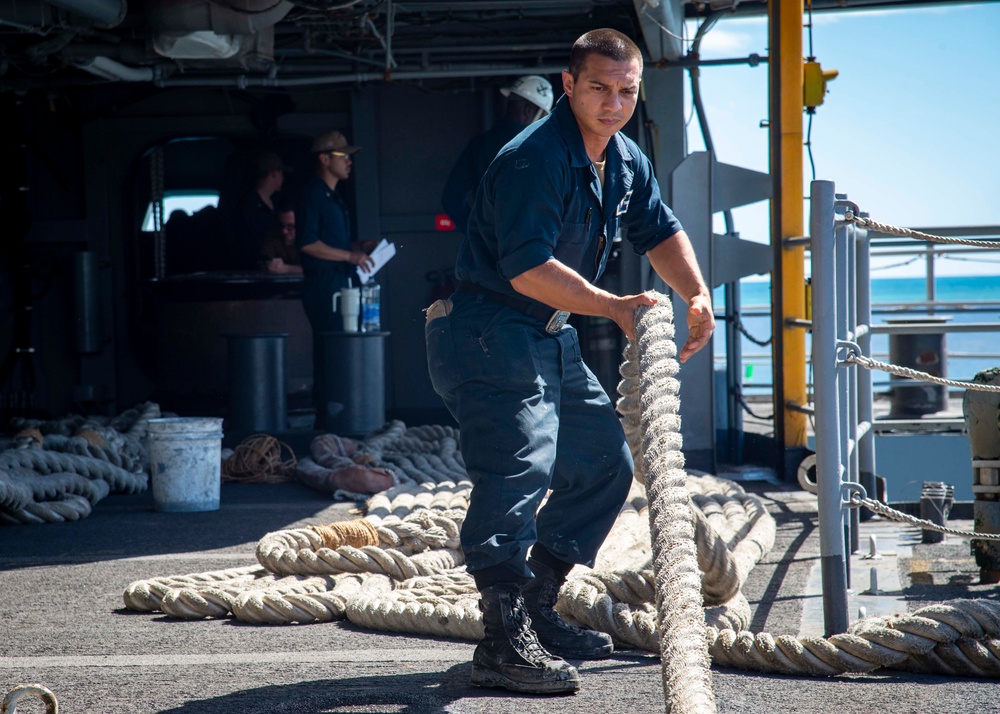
(534, 421)
(329, 256)
(254, 219)
(279, 254)
(323, 232)
(528, 99)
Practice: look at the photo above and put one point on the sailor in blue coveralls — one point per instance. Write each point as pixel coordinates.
(529, 98)
(329, 256)
(532, 416)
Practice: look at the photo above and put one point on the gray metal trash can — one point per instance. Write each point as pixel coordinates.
(351, 382)
(936, 500)
(924, 353)
(258, 401)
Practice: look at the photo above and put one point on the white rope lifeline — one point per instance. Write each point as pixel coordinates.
(884, 510)
(873, 225)
(873, 364)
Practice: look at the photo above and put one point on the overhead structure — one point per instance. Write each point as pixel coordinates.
(662, 23)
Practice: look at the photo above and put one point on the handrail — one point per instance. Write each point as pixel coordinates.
(928, 328)
(843, 392)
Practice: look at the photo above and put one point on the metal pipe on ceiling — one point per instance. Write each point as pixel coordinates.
(335, 77)
(107, 13)
(107, 68)
(30, 18)
(237, 17)
(497, 5)
(472, 49)
(299, 53)
(760, 7)
(243, 81)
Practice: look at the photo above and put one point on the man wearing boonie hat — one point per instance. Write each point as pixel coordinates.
(323, 236)
(529, 99)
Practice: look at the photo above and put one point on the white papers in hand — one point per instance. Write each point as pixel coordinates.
(381, 255)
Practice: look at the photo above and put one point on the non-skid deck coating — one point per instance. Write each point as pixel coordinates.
(63, 624)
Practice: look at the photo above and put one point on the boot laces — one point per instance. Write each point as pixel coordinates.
(524, 637)
(546, 607)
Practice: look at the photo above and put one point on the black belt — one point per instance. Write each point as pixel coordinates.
(554, 319)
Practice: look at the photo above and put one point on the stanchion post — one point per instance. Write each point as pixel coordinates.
(827, 431)
(842, 311)
(852, 385)
(866, 411)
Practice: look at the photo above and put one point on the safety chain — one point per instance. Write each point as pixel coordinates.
(743, 330)
(870, 364)
(872, 225)
(883, 510)
(746, 407)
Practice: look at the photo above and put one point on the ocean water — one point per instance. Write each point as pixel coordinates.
(966, 353)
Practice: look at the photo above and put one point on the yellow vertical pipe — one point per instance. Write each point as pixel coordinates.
(789, 218)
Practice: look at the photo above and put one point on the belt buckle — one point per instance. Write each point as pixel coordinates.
(556, 322)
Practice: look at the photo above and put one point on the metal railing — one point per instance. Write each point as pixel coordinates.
(843, 398)
(840, 248)
(882, 246)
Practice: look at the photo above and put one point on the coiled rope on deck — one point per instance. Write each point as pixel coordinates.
(413, 581)
(959, 638)
(955, 638)
(258, 459)
(430, 594)
(385, 542)
(147, 595)
(389, 457)
(98, 445)
(54, 471)
(133, 423)
(45, 462)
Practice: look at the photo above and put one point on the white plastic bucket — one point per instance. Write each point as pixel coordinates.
(185, 461)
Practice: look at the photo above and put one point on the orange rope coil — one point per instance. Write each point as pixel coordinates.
(258, 459)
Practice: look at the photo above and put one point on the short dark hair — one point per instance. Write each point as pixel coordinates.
(606, 42)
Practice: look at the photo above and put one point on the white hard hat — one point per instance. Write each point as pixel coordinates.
(535, 89)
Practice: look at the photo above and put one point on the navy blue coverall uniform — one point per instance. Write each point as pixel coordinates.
(460, 189)
(321, 215)
(532, 416)
(254, 223)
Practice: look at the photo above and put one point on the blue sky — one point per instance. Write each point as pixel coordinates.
(910, 129)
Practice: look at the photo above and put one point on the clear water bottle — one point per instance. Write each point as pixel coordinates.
(371, 308)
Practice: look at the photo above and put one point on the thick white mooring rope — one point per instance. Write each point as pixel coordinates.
(687, 679)
(402, 570)
(55, 471)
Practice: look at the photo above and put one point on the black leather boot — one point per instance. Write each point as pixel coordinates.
(509, 655)
(556, 635)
